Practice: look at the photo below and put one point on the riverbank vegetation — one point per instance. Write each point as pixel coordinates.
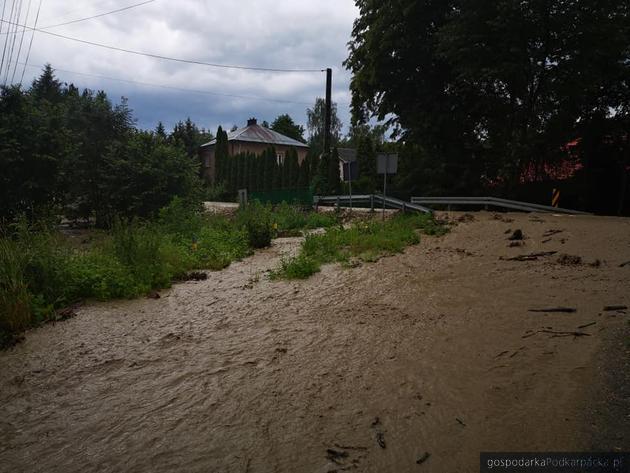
(366, 240)
(44, 270)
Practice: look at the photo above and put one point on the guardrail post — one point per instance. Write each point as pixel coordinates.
(404, 209)
(371, 202)
(338, 207)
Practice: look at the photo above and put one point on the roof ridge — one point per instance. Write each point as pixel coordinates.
(273, 137)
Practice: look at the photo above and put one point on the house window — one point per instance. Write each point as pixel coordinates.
(280, 158)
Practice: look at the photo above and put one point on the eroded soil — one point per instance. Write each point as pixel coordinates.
(367, 369)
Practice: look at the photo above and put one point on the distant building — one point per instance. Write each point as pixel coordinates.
(346, 155)
(252, 138)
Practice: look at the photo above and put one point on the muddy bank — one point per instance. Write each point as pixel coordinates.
(366, 369)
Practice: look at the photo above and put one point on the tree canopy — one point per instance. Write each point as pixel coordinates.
(315, 124)
(75, 153)
(285, 125)
(486, 88)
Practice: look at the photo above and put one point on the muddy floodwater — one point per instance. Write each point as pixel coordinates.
(415, 363)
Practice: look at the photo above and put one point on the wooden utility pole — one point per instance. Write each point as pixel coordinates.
(328, 114)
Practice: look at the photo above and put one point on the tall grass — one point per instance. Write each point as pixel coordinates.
(366, 240)
(14, 296)
(291, 219)
(41, 272)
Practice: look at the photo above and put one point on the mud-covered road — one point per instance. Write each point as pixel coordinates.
(365, 369)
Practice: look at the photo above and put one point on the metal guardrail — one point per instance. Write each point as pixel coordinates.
(495, 202)
(373, 201)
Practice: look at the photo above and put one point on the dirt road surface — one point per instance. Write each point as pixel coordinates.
(433, 351)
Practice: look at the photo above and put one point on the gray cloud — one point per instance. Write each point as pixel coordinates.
(265, 33)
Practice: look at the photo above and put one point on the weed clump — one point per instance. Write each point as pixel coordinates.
(366, 241)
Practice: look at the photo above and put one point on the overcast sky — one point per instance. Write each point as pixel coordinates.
(305, 34)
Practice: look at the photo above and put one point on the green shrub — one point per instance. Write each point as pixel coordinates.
(365, 240)
(300, 267)
(180, 218)
(221, 243)
(99, 275)
(257, 219)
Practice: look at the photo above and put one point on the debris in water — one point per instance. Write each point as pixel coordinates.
(517, 235)
(587, 325)
(196, 276)
(530, 256)
(424, 457)
(568, 310)
(460, 421)
(466, 218)
(336, 455)
(380, 439)
(66, 313)
(610, 308)
(556, 333)
(502, 218)
(349, 447)
(569, 259)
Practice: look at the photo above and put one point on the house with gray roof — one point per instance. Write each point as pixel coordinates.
(252, 138)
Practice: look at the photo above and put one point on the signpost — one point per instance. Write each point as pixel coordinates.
(386, 164)
(350, 173)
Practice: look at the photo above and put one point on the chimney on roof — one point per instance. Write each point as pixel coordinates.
(252, 121)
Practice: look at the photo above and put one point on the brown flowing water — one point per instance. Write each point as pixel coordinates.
(365, 369)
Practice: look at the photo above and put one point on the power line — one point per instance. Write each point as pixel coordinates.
(6, 41)
(4, 4)
(93, 16)
(98, 15)
(30, 45)
(165, 58)
(4, 48)
(17, 58)
(179, 89)
(12, 47)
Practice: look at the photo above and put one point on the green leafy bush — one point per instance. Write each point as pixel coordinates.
(257, 219)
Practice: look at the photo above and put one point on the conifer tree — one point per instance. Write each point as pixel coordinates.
(261, 161)
(291, 169)
(334, 181)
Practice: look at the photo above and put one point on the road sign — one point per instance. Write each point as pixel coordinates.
(387, 163)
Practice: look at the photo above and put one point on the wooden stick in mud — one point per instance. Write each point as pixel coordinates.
(559, 333)
(609, 308)
(568, 310)
(530, 256)
(587, 325)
